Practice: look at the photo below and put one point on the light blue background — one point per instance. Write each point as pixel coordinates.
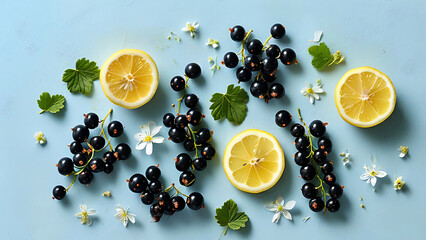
(39, 40)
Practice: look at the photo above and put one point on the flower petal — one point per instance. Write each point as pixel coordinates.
(290, 205)
(276, 217)
(365, 176)
(131, 218)
(118, 215)
(373, 181)
(145, 130)
(154, 128)
(271, 206)
(316, 96)
(83, 207)
(279, 201)
(287, 214)
(149, 148)
(89, 221)
(125, 220)
(141, 145)
(381, 174)
(91, 212)
(401, 155)
(78, 214)
(157, 139)
(311, 98)
(140, 136)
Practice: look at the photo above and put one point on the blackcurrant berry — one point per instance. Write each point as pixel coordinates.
(288, 56)
(237, 33)
(335, 191)
(123, 151)
(177, 83)
(187, 178)
(325, 143)
(327, 167)
(65, 166)
(273, 51)
(109, 157)
(181, 121)
(199, 164)
(320, 156)
(309, 190)
(91, 120)
(268, 77)
(194, 116)
(301, 158)
(254, 46)
(163, 198)
(276, 90)
(316, 204)
(108, 168)
(283, 118)
(80, 133)
(259, 89)
(195, 201)
(189, 145)
(302, 143)
(115, 129)
(76, 147)
(168, 209)
(85, 177)
(203, 136)
(169, 120)
(191, 100)
(333, 205)
(230, 60)
(243, 74)
(269, 66)
(208, 152)
(297, 130)
(307, 172)
(97, 142)
(177, 135)
(330, 179)
(156, 211)
(192, 70)
(178, 203)
(147, 197)
(277, 31)
(153, 173)
(317, 128)
(137, 183)
(97, 165)
(59, 192)
(182, 162)
(80, 159)
(252, 63)
(155, 186)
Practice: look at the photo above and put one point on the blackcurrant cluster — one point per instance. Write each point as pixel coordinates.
(265, 66)
(84, 163)
(181, 131)
(162, 203)
(313, 162)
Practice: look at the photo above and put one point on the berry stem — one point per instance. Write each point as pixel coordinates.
(177, 190)
(242, 45)
(183, 95)
(267, 40)
(73, 181)
(193, 138)
(103, 132)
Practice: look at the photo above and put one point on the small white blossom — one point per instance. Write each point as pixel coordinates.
(39, 136)
(398, 184)
(147, 137)
(372, 174)
(346, 157)
(311, 92)
(124, 216)
(279, 208)
(215, 67)
(84, 214)
(317, 36)
(212, 42)
(403, 150)
(191, 28)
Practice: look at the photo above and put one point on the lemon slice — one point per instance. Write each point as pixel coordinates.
(365, 97)
(129, 78)
(253, 161)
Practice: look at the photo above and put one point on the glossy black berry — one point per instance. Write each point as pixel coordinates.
(80, 159)
(169, 120)
(276, 90)
(176, 134)
(91, 120)
(309, 190)
(115, 129)
(194, 116)
(191, 100)
(97, 142)
(317, 128)
(320, 156)
(97, 165)
(195, 201)
(297, 130)
(108, 168)
(330, 179)
(187, 178)
(259, 89)
(269, 66)
(273, 51)
(230, 60)
(254, 46)
(155, 186)
(178, 203)
(137, 183)
(80, 133)
(335, 191)
(156, 210)
(237, 33)
(277, 31)
(192, 70)
(316, 204)
(302, 143)
(168, 209)
(283, 118)
(182, 162)
(307, 172)
(153, 173)
(189, 145)
(333, 205)
(85, 177)
(243, 74)
(327, 168)
(208, 152)
(163, 198)
(177, 83)
(147, 197)
(203, 136)
(181, 121)
(325, 143)
(301, 158)
(76, 147)
(288, 56)
(252, 63)
(109, 157)
(59, 192)
(65, 166)
(199, 164)
(123, 151)
(268, 77)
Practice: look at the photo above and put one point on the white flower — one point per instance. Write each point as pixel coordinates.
(212, 42)
(191, 28)
(279, 208)
(84, 214)
(403, 150)
(147, 137)
(124, 216)
(372, 174)
(398, 184)
(312, 92)
(39, 136)
(317, 36)
(346, 157)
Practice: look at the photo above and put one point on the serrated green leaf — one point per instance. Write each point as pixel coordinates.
(81, 78)
(229, 216)
(322, 56)
(52, 103)
(231, 105)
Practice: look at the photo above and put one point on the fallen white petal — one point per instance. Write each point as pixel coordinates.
(317, 36)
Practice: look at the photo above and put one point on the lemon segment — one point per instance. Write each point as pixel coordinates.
(253, 161)
(365, 97)
(129, 78)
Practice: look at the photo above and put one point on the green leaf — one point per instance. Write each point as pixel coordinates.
(322, 56)
(52, 103)
(81, 78)
(229, 216)
(231, 105)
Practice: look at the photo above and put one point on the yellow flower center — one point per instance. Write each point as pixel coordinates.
(373, 173)
(191, 29)
(280, 208)
(84, 215)
(310, 91)
(148, 139)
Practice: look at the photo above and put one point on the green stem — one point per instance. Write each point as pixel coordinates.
(242, 45)
(267, 40)
(193, 138)
(177, 190)
(183, 95)
(42, 111)
(103, 132)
